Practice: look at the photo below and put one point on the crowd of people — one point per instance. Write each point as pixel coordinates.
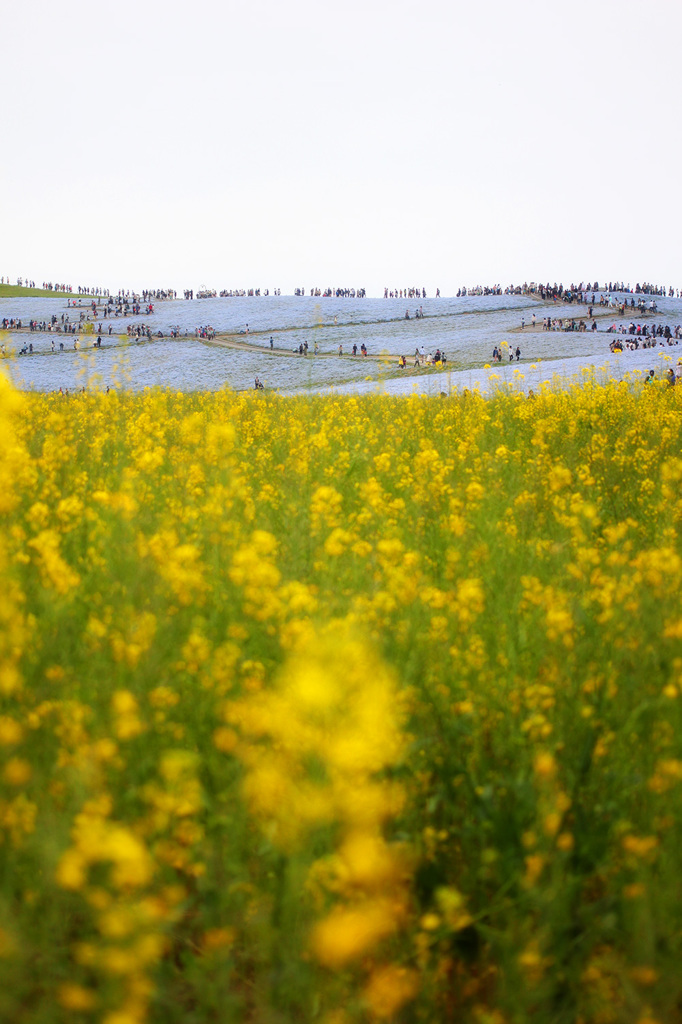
(124, 306)
(28, 350)
(636, 336)
(622, 304)
(495, 289)
(331, 293)
(246, 293)
(65, 326)
(564, 324)
(499, 353)
(573, 292)
(134, 330)
(557, 292)
(160, 294)
(20, 281)
(421, 358)
(95, 290)
(672, 376)
(581, 292)
(408, 293)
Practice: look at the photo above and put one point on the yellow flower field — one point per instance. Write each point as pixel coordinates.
(341, 709)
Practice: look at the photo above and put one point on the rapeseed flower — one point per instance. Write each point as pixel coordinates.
(333, 704)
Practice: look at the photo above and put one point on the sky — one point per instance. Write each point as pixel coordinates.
(368, 144)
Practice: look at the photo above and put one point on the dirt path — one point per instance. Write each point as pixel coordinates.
(598, 313)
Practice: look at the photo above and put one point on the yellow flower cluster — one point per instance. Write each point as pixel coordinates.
(341, 709)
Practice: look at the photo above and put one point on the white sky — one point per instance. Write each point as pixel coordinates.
(300, 142)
